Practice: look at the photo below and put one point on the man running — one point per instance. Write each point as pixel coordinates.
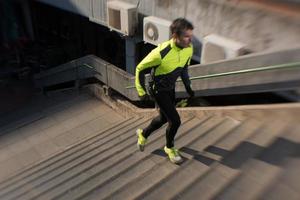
(168, 61)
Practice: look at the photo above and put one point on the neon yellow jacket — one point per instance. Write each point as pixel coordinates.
(169, 62)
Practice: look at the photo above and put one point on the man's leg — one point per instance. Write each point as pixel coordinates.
(155, 124)
(174, 121)
(168, 109)
(143, 134)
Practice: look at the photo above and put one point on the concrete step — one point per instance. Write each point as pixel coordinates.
(286, 185)
(87, 154)
(260, 172)
(52, 162)
(163, 167)
(156, 156)
(123, 158)
(222, 156)
(183, 176)
(213, 155)
(51, 129)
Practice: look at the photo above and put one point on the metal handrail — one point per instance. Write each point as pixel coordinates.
(271, 67)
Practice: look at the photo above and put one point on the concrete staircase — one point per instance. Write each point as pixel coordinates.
(224, 158)
(48, 125)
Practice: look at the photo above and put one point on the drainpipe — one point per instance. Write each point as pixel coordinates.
(130, 55)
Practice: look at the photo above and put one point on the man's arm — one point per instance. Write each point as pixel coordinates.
(151, 60)
(186, 80)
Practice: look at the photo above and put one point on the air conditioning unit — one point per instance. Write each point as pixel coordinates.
(121, 17)
(216, 48)
(156, 30)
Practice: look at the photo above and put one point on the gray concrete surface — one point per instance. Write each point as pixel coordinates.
(227, 152)
(47, 125)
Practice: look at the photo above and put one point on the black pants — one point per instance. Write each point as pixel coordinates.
(167, 113)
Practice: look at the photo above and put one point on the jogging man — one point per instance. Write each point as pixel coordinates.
(167, 61)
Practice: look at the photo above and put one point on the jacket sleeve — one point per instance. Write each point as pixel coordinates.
(186, 79)
(151, 60)
(185, 75)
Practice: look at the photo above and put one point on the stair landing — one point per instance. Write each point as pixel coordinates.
(49, 124)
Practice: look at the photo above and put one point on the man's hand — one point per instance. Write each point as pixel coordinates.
(190, 91)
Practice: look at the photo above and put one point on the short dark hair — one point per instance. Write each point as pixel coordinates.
(180, 25)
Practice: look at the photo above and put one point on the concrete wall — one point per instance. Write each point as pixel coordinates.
(259, 27)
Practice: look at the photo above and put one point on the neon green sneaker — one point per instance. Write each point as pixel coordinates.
(173, 155)
(183, 103)
(141, 140)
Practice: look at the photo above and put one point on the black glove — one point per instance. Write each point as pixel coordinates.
(190, 91)
(144, 97)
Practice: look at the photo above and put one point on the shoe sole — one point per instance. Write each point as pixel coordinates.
(173, 161)
(176, 162)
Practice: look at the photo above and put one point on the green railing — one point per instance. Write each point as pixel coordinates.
(271, 67)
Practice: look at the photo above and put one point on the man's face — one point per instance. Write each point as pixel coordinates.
(185, 39)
